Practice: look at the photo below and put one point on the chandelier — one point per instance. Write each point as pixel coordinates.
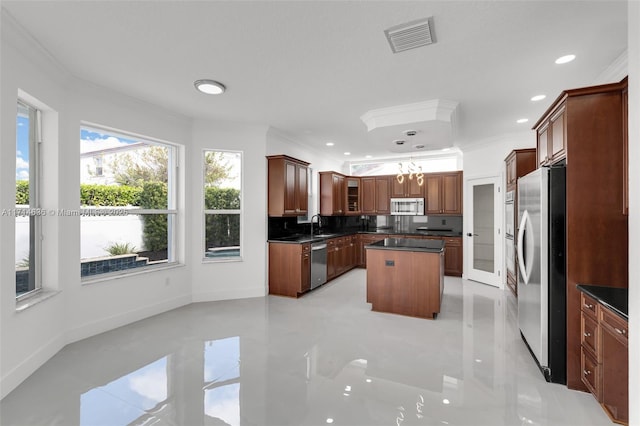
(412, 171)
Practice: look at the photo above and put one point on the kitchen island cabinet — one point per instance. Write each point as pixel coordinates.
(406, 276)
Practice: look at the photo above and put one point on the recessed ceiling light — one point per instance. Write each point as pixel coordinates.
(446, 149)
(210, 87)
(445, 401)
(522, 120)
(329, 420)
(368, 156)
(368, 380)
(565, 59)
(538, 98)
(330, 144)
(347, 153)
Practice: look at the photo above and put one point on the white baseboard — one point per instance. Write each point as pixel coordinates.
(28, 366)
(212, 296)
(105, 324)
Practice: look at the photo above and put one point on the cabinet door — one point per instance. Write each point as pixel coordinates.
(352, 202)
(614, 353)
(511, 170)
(290, 188)
(452, 193)
(338, 194)
(302, 194)
(305, 271)
(414, 189)
(453, 257)
(558, 136)
(332, 260)
(433, 188)
(399, 189)
(368, 195)
(543, 145)
(383, 205)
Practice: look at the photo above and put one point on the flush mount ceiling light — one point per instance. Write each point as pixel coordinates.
(565, 59)
(522, 120)
(209, 87)
(538, 98)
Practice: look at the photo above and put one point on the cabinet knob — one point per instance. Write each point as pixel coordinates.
(587, 334)
(623, 332)
(586, 372)
(588, 306)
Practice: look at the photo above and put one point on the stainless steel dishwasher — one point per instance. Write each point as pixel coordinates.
(318, 264)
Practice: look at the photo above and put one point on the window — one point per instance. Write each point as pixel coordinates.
(28, 210)
(128, 210)
(442, 163)
(222, 172)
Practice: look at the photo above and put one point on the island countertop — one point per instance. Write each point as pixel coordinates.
(408, 244)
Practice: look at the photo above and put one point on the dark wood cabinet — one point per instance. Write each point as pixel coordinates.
(453, 256)
(518, 163)
(288, 192)
(341, 255)
(353, 197)
(289, 269)
(604, 357)
(408, 188)
(552, 136)
(375, 195)
(364, 240)
(332, 194)
(443, 193)
(625, 151)
(585, 128)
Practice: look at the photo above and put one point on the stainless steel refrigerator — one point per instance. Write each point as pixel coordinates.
(541, 266)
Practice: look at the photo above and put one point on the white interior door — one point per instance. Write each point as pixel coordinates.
(483, 230)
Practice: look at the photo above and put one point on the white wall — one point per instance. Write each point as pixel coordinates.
(278, 143)
(486, 159)
(30, 337)
(634, 212)
(230, 280)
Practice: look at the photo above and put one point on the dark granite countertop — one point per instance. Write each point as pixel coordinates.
(306, 238)
(408, 244)
(614, 298)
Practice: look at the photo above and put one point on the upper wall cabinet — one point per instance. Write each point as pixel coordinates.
(375, 195)
(552, 135)
(408, 188)
(288, 192)
(443, 193)
(353, 195)
(332, 194)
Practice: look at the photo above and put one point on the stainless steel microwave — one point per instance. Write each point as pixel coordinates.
(407, 206)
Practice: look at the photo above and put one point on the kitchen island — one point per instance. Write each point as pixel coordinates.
(405, 276)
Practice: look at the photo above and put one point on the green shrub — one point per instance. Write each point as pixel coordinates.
(154, 196)
(116, 249)
(22, 192)
(222, 230)
(109, 195)
(221, 199)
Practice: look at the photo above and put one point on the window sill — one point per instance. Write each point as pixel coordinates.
(221, 260)
(110, 276)
(40, 296)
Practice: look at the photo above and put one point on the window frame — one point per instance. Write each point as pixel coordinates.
(206, 211)
(172, 212)
(35, 206)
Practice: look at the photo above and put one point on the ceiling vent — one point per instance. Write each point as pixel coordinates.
(410, 35)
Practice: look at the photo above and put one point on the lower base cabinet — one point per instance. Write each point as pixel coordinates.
(453, 256)
(604, 357)
(289, 269)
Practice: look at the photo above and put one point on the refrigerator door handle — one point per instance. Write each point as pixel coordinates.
(525, 222)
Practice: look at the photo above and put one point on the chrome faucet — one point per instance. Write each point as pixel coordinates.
(319, 223)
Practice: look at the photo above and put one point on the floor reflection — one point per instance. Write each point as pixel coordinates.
(325, 358)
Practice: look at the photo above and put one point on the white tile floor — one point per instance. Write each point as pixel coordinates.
(322, 359)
